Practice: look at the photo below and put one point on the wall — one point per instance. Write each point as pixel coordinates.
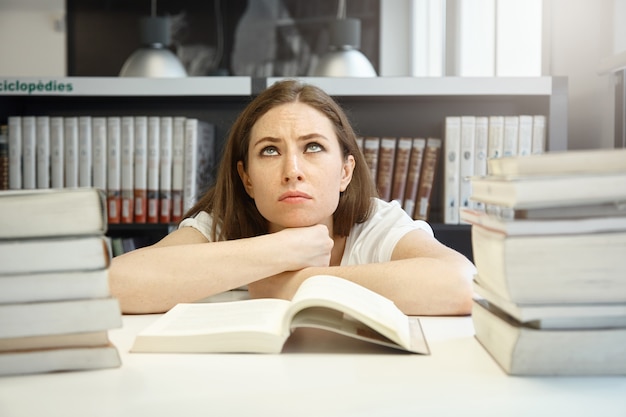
(578, 34)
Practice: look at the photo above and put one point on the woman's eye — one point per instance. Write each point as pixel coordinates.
(314, 147)
(269, 151)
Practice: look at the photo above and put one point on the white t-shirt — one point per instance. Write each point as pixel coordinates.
(369, 242)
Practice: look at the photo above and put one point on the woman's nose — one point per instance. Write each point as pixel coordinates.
(292, 169)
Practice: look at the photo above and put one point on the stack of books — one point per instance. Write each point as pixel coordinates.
(55, 304)
(550, 253)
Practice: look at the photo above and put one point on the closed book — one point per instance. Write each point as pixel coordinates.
(587, 161)
(200, 160)
(452, 170)
(51, 286)
(468, 144)
(384, 177)
(401, 169)
(432, 154)
(65, 340)
(51, 213)
(371, 152)
(539, 227)
(165, 169)
(523, 350)
(582, 211)
(43, 151)
(70, 131)
(53, 254)
(114, 170)
(510, 138)
(141, 169)
(15, 152)
(128, 172)
(4, 157)
(539, 134)
(99, 152)
(480, 155)
(525, 135)
(59, 317)
(178, 170)
(85, 152)
(495, 141)
(413, 176)
(29, 152)
(57, 152)
(547, 191)
(582, 268)
(78, 358)
(556, 316)
(153, 161)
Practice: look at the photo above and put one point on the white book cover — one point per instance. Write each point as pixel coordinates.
(199, 160)
(165, 169)
(452, 169)
(15, 152)
(525, 135)
(114, 168)
(128, 158)
(468, 143)
(511, 133)
(43, 151)
(85, 158)
(29, 152)
(539, 134)
(154, 144)
(99, 152)
(141, 168)
(71, 151)
(178, 158)
(495, 142)
(57, 152)
(480, 152)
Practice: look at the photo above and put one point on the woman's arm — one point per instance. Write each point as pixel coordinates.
(185, 267)
(424, 277)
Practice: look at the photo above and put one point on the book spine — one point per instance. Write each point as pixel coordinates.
(165, 170)
(496, 137)
(429, 169)
(29, 152)
(510, 138)
(539, 134)
(15, 152)
(154, 138)
(371, 150)
(128, 182)
(43, 151)
(401, 170)
(413, 176)
(114, 170)
(480, 153)
(199, 160)
(452, 170)
(141, 169)
(4, 157)
(384, 177)
(468, 143)
(99, 147)
(85, 151)
(57, 152)
(525, 135)
(70, 130)
(178, 162)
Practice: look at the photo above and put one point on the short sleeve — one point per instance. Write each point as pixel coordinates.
(202, 222)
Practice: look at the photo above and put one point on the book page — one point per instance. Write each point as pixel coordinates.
(374, 310)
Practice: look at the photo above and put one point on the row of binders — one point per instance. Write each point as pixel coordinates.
(404, 170)
(55, 305)
(152, 168)
(470, 141)
(549, 248)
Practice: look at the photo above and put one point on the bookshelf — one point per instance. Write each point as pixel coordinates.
(383, 106)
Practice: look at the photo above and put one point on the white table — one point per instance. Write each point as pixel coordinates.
(459, 378)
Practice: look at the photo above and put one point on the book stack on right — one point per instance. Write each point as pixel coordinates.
(55, 304)
(550, 253)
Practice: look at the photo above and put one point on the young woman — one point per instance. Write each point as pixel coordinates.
(293, 198)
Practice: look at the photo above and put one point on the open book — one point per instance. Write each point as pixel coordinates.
(264, 325)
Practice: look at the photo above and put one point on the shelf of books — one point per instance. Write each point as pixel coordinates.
(401, 122)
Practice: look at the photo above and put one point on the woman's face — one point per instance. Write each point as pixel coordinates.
(296, 168)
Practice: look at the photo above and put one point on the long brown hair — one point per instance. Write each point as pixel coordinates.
(235, 214)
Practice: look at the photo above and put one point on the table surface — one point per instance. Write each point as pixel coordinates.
(352, 379)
